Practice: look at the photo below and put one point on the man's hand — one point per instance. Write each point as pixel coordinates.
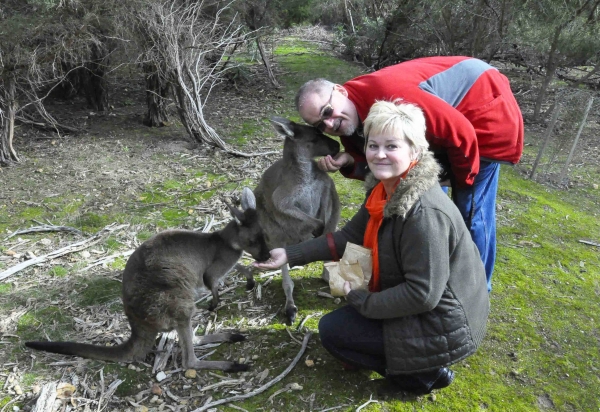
(333, 164)
(277, 260)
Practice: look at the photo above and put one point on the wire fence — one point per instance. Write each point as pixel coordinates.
(570, 145)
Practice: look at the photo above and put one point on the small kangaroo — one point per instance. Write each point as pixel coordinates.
(160, 285)
(296, 200)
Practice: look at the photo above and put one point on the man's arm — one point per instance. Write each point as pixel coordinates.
(358, 169)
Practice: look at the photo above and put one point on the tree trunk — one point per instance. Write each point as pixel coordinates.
(265, 60)
(551, 65)
(157, 90)
(96, 91)
(8, 107)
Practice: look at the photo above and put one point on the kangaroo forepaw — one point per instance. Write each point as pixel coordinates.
(237, 367)
(290, 314)
(236, 337)
(213, 305)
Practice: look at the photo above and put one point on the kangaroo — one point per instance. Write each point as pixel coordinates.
(160, 284)
(295, 200)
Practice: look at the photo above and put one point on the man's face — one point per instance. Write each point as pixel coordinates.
(333, 113)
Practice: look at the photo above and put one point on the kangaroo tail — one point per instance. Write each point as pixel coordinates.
(135, 348)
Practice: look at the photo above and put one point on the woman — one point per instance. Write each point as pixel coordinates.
(427, 303)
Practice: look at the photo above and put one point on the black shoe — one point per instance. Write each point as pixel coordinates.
(445, 379)
(397, 385)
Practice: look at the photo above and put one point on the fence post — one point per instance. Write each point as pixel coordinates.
(570, 157)
(546, 140)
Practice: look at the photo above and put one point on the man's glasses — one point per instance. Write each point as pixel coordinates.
(326, 113)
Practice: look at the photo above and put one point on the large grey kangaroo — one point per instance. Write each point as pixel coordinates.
(295, 200)
(160, 285)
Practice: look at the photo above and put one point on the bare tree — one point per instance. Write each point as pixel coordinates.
(187, 41)
(39, 52)
(7, 119)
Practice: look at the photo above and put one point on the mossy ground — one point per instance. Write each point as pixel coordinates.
(541, 350)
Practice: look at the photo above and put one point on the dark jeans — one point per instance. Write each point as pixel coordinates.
(358, 341)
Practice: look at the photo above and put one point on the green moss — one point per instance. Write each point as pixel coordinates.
(50, 319)
(29, 379)
(132, 379)
(91, 222)
(249, 129)
(4, 401)
(100, 290)
(118, 264)
(113, 244)
(59, 271)
(144, 235)
(5, 288)
(32, 213)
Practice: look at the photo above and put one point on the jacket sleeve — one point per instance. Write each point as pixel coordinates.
(360, 167)
(318, 249)
(449, 129)
(424, 250)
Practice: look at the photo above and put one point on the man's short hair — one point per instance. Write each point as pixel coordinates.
(316, 86)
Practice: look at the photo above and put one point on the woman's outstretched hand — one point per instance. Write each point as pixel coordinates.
(278, 259)
(347, 288)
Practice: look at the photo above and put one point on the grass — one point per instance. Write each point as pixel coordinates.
(541, 350)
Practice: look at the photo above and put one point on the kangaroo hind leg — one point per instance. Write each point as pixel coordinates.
(288, 288)
(189, 359)
(248, 272)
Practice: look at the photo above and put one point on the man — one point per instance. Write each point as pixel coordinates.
(473, 124)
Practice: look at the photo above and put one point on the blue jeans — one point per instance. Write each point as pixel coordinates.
(358, 341)
(477, 205)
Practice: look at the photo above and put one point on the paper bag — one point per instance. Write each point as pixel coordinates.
(354, 267)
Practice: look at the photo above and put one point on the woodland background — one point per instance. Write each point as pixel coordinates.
(119, 119)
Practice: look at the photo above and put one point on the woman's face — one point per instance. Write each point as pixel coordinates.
(388, 156)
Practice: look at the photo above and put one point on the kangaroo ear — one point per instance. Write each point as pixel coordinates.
(283, 126)
(237, 214)
(248, 199)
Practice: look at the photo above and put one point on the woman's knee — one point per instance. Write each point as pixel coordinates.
(327, 325)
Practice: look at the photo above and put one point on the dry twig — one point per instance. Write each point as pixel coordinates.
(74, 247)
(44, 228)
(371, 400)
(265, 386)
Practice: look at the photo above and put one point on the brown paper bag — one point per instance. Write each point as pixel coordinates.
(354, 267)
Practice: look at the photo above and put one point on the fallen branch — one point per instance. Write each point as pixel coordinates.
(334, 408)
(13, 400)
(107, 259)
(44, 228)
(265, 386)
(367, 403)
(47, 126)
(46, 399)
(75, 247)
(587, 242)
(222, 383)
(307, 317)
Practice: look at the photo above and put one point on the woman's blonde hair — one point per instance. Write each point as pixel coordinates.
(400, 119)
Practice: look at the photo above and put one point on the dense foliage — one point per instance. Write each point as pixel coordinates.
(68, 46)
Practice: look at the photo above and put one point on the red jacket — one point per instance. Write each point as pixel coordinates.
(469, 108)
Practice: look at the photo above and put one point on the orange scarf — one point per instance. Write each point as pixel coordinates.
(375, 205)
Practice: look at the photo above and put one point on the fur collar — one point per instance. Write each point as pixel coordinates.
(420, 179)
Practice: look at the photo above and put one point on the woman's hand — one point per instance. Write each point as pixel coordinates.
(347, 288)
(278, 259)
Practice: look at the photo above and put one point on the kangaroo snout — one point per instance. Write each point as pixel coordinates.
(334, 147)
(262, 255)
